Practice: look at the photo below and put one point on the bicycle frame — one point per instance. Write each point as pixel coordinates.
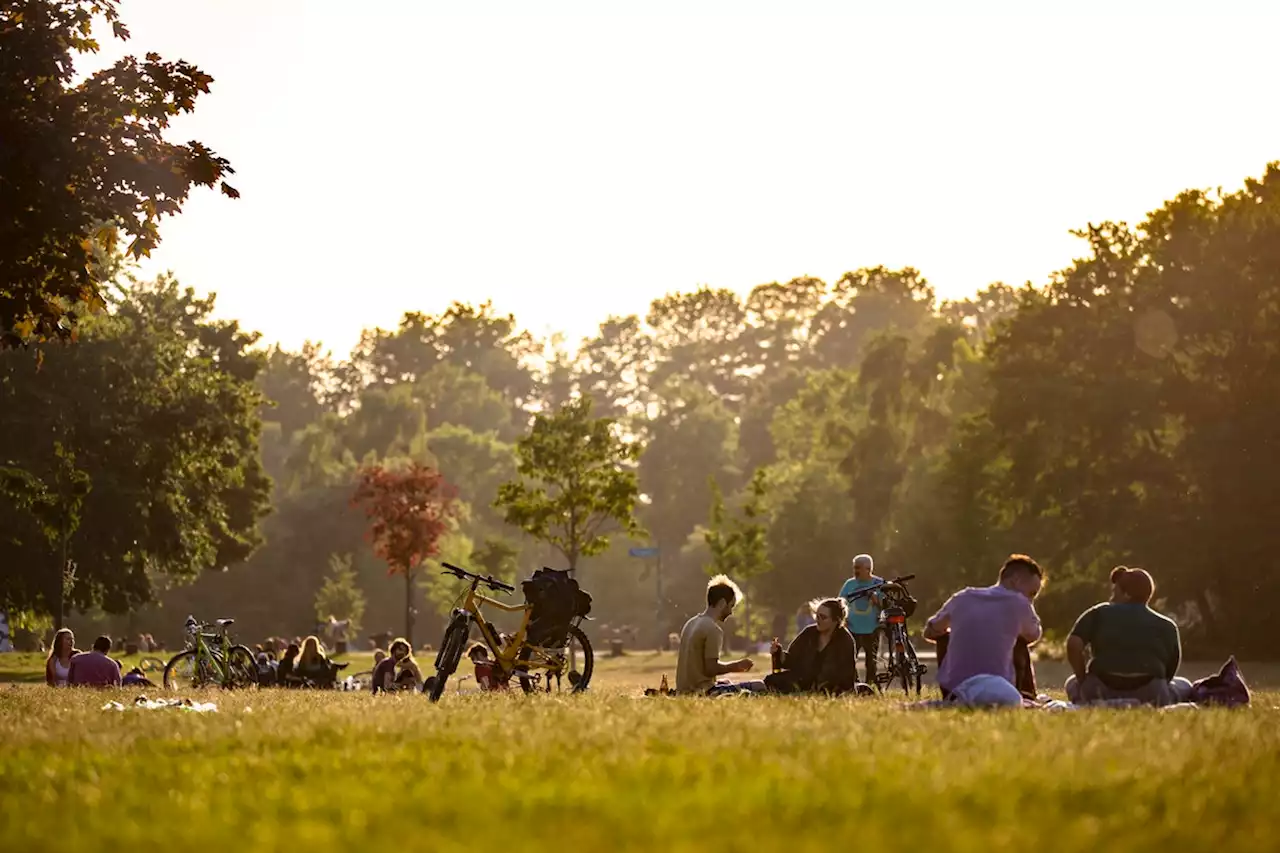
(506, 656)
(219, 659)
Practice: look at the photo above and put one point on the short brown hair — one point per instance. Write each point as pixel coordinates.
(1136, 584)
(1020, 563)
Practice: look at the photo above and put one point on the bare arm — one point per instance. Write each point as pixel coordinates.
(1077, 656)
(937, 627)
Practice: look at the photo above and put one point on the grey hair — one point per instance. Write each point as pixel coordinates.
(864, 560)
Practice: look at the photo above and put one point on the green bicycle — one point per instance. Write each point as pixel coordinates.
(210, 660)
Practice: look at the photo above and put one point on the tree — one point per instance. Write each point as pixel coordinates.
(158, 406)
(83, 159)
(55, 510)
(574, 483)
(409, 509)
(739, 544)
(340, 596)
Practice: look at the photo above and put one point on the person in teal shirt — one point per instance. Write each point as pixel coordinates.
(864, 613)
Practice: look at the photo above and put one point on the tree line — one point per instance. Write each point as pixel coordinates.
(1121, 412)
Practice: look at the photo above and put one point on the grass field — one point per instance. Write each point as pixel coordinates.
(297, 770)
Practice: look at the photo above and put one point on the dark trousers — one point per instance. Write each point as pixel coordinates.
(870, 644)
(1023, 672)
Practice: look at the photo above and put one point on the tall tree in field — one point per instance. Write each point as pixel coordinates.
(409, 511)
(739, 543)
(158, 405)
(83, 159)
(576, 484)
(340, 596)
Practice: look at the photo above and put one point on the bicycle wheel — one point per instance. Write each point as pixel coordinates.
(578, 661)
(914, 664)
(151, 664)
(184, 671)
(242, 669)
(451, 648)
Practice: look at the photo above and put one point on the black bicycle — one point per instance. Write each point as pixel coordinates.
(900, 661)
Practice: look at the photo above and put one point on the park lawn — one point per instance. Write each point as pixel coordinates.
(302, 770)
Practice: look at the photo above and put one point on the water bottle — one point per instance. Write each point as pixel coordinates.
(776, 653)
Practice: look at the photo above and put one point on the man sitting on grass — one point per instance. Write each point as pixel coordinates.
(1135, 651)
(699, 663)
(95, 669)
(985, 623)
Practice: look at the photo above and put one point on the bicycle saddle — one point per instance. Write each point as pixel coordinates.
(222, 623)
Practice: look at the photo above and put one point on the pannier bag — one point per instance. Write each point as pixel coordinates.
(557, 600)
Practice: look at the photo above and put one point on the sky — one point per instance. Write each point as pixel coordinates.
(399, 155)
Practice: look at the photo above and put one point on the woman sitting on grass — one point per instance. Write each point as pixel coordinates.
(821, 657)
(57, 669)
(312, 665)
(385, 679)
(409, 676)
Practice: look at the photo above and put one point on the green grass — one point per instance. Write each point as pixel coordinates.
(296, 770)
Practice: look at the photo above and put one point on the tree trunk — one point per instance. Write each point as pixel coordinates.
(408, 607)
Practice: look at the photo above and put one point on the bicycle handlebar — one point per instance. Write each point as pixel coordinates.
(488, 580)
(863, 593)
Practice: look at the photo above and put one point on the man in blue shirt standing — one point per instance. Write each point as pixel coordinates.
(864, 613)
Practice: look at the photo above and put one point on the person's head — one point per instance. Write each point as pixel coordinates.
(722, 596)
(379, 655)
(102, 645)
(829, 614)
(1132, 585)
(1022, 574)
(478, 653)
(311, 648)
(863, 565)
(400, 649)
(64, 642)
(291, 651)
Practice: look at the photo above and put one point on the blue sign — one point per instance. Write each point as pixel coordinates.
(643, 552)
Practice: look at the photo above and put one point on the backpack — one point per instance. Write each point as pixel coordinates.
(557, 600)
(1227, 688)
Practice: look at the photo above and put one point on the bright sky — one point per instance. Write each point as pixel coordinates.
(394, 156)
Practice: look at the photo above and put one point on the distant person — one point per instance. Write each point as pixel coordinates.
(804, 617)
(57, 669)
(285, 675)
(385, 678)
(698, 665)
(95, 668)
(408, 673)
(821, 658)
(1122, 649)
(864, 613)
(312, 664)
(487, 675)
(983, 624)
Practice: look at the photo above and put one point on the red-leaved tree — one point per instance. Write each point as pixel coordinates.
(409, 508)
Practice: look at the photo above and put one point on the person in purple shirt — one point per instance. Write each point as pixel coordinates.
(985, 623)
(95, 669)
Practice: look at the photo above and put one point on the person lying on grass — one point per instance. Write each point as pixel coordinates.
(821, 658)
(1122, 649)
(983, 624)
(698, 665)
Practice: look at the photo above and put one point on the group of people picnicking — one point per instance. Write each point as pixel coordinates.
(1119, 650)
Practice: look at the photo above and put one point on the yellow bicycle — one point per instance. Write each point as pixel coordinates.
(547, 648)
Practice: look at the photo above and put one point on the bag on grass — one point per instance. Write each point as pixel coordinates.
(1227, 688)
